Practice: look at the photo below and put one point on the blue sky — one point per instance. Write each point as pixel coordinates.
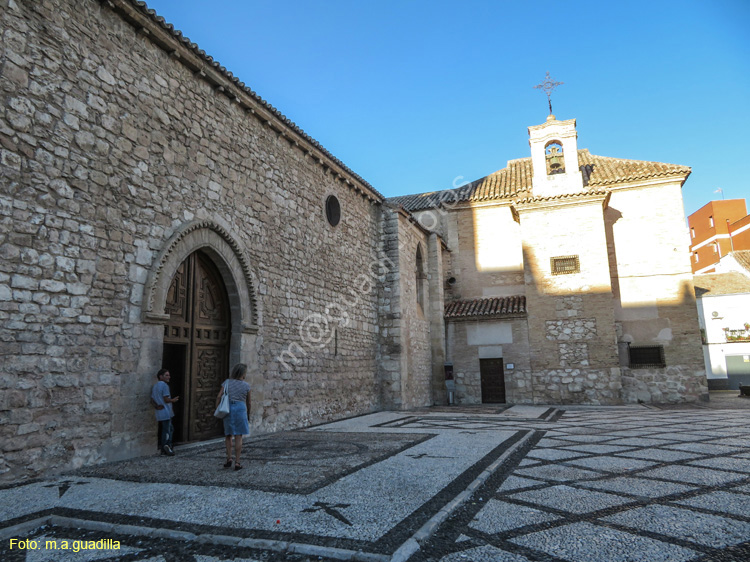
(412, 95)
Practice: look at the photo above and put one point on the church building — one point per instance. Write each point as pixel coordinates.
(156, 212)
(566, 280)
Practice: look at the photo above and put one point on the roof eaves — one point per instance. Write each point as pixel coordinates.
(486, 307)
(214, 75)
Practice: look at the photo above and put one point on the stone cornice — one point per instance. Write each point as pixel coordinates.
(570, 123)
(526, 204)
(204, 67)
(481, 204)
(651, 182)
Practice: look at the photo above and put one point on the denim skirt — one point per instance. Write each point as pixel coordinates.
(236, 422)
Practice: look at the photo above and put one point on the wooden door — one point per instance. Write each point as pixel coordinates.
(493, 381)
(197, 337)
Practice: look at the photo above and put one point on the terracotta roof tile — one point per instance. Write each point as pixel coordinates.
(743, 258)
(491, 306)
(712, 284)
(515, 180)
(603, 170)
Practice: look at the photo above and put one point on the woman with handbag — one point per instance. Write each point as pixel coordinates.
(236, 422)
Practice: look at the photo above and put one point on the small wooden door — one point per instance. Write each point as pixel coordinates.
(493, 381)
(196, 345)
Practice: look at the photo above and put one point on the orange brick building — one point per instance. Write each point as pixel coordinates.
(716, 229)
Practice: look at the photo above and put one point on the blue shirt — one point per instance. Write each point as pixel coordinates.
(237, 390)
(160, 390)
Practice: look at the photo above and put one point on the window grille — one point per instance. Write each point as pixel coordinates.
(645, 356)
(564, 265)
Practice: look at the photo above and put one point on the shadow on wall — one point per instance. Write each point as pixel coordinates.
(590, 318)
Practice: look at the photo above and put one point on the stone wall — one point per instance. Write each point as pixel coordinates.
(389, 302)
(109, 146)
(653, 290)
(436, 312)
(571, 316)
(577, 362)
(406, 355)
(416, 359)
(473, 339)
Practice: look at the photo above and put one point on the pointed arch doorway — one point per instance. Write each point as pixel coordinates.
(196, 345)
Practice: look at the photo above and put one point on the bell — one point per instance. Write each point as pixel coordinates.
(555, 162)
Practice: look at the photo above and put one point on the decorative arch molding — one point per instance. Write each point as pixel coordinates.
(223, 248)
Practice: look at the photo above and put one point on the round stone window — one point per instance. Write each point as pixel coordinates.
(333, 210)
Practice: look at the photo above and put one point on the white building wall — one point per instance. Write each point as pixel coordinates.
(715, 314)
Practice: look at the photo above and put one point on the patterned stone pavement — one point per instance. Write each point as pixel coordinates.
(523, 483)
(614, 484)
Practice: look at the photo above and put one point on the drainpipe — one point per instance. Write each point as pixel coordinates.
(731, 242)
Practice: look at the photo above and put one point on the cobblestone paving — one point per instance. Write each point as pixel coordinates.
(518, 484)
(614, 485)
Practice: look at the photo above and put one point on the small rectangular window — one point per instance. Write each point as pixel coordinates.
(563, 265)
(711, 221)
(695, 255)
(692, 232)
(645, 356)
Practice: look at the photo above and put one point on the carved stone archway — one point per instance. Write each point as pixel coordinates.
(222, 247)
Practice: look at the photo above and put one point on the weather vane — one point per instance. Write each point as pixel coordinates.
(548, 85)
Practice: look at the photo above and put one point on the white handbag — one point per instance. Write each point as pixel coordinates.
(223, 409)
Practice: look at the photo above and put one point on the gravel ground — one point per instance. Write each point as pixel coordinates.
(590, 484)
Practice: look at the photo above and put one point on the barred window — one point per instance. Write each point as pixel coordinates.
(563, 265)
(644, 356)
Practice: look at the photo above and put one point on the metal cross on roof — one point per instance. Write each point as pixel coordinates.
(548, 85)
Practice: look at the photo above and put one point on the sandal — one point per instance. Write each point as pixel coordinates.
(237, 466)
(228, 463)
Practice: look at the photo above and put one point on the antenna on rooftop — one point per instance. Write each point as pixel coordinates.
(547, 86)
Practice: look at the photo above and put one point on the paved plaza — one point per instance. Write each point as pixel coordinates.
(460, 484)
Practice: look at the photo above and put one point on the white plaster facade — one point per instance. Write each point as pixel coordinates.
(724, 318)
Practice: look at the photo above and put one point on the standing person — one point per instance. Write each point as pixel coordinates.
(162, 401)
(236, 422)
